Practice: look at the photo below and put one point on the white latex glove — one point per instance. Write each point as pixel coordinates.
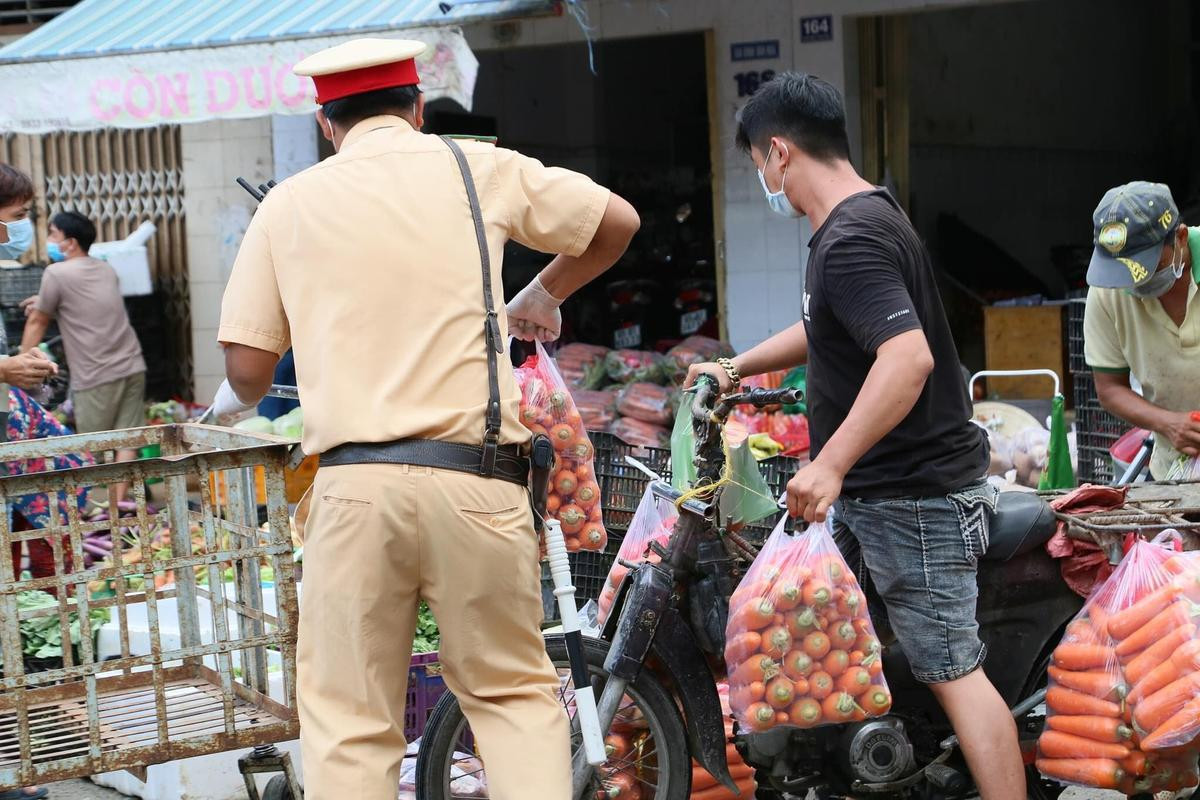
(533, 314)
(227, 407)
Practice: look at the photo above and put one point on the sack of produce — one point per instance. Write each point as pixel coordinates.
(791, 431)
(582, 365)
(635, 366)
(800, 647)
(574, 495)
(598, 408)
(652, 522)
(642, 434)
(647, 402)
(694, 350)
(1121, 708)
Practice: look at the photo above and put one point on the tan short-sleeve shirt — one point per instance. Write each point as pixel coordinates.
(367, 266)
(1127, 334)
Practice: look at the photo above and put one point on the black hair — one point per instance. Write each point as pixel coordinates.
(804, 108)
(75, 226)
(15, 186)
(346, 111)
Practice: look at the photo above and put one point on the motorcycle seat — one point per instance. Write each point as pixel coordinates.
(1022, 522)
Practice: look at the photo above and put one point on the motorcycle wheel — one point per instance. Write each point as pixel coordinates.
(659, 761)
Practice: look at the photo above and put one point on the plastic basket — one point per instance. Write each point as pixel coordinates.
(425, 687)
(18, 283)
(217, 668)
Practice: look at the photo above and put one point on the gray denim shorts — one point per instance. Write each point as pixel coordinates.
(922, 554)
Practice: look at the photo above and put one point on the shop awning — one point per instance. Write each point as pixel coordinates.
(134, 64)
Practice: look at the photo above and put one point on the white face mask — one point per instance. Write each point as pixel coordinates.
(777, 200)
(1162, 280)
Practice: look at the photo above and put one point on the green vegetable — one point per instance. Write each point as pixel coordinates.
(290, 425)
(428, 638)
(41, 637)
(255, 425)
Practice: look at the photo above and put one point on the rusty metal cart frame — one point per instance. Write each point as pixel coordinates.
(204, 692)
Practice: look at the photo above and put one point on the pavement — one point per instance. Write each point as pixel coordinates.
(81, 790)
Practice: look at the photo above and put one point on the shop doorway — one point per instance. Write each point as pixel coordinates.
(640, 126)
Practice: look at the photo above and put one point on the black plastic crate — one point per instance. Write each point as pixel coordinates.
(19, 282)
(1075, 308)
(622, 484)
(1096, 431)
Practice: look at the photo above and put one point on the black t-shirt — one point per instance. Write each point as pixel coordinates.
(869, 279)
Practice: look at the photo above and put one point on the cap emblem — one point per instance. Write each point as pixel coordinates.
(1112, 237)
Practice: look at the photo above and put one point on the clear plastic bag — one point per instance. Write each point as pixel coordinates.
(647, 402)
(694, 350)
(746, 497)
(652, 522)
(582, 365)
(574, 495)
(633, 366)
(800, 647)
(1121, 707)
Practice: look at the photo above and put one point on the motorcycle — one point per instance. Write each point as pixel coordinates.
(657, 660)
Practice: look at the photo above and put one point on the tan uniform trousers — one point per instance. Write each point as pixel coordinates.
(379, 538)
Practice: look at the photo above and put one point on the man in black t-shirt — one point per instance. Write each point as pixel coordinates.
(892, 441)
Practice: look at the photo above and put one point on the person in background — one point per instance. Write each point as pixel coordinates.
(28, 370)
(422, 493)
(28, 420)
(893, 444)
(108, 372)
(1143, 317)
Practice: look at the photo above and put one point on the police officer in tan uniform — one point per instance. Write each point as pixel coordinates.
(373, 268)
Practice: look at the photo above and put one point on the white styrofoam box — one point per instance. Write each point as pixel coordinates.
(131, 264)
(213, 777)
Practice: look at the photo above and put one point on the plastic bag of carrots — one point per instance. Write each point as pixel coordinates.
(652, 522)
(1121, 707)
(574, 495)
(799, 647)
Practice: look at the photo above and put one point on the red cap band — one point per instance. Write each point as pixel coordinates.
(356, 81)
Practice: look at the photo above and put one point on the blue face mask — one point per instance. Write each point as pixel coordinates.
(777, 200)
(20, 236)
(55, 252)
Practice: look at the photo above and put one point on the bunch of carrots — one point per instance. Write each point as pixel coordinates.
(800, 648)
(573, 497)
(1123, 707)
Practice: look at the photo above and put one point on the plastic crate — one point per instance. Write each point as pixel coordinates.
(19, 282)
(425, 688)
(1075, 308)
(204, 691)
(1096, 431)
(622, 484)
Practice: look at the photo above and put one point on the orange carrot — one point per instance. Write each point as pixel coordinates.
(1154, 710)
(1083, 656)
(1102, 773)
(1100, 683)
(1066, 701)
(755, 668)
(756, 614)
(1123, 624)
(776, 642)
(1137, 667)
(1177, 729)
(742, 646)
(1134, 763)
(806, 713)
(1160, 676)
(1187, 658)
(740, 697)
(760, 717)
(1056, 744)
(1171, 617)
(1082, 630)
(780, 693)
(1099, 729)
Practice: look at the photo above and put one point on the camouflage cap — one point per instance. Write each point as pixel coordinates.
(1132, 224)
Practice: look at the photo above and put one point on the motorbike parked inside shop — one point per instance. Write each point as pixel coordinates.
(656, 664)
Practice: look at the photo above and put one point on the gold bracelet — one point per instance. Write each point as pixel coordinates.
(734, 376)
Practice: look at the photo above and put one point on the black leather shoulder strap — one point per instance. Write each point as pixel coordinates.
(491, 324)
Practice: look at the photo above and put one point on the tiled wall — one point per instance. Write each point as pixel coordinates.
(218, 210)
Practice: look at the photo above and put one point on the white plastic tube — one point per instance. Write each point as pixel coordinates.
(585, 698)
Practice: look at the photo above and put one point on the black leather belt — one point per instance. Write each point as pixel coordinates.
(510, 464)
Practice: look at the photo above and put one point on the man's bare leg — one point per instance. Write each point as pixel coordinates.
(121, 490)
(987, 733)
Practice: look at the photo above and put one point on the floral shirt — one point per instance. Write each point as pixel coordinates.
(27, 420)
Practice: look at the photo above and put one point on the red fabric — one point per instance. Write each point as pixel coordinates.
(1084, 565)
(355, 81)
(41, 554)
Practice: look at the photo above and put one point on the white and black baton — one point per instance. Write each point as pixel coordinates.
(585, 698)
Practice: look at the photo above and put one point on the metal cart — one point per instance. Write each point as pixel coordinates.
(202, 666)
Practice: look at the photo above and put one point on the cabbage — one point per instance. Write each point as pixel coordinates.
(290, 425)
(255, 425)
